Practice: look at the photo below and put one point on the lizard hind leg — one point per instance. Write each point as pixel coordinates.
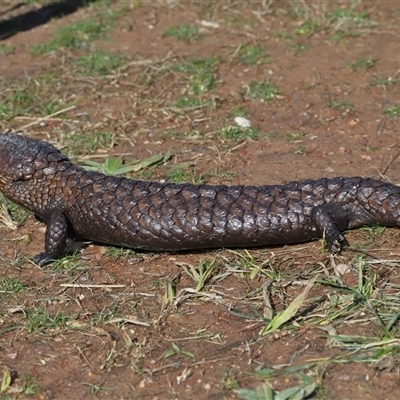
(331, 220)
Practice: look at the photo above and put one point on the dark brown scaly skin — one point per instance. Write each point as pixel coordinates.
(173, 217)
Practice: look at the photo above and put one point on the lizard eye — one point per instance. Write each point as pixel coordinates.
(27, 172)
(50, 170)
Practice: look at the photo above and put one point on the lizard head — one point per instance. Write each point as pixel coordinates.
(21, 158)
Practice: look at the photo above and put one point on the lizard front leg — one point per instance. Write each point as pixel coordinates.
(55, 238)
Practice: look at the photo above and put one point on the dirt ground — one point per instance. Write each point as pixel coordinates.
(319, 82)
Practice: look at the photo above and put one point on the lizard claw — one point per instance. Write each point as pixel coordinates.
(335, 242)
(42, 259)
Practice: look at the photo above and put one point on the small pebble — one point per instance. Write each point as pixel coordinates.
(343, 269)
(243, 122)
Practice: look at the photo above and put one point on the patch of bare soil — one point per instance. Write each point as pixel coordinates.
(112, 323)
